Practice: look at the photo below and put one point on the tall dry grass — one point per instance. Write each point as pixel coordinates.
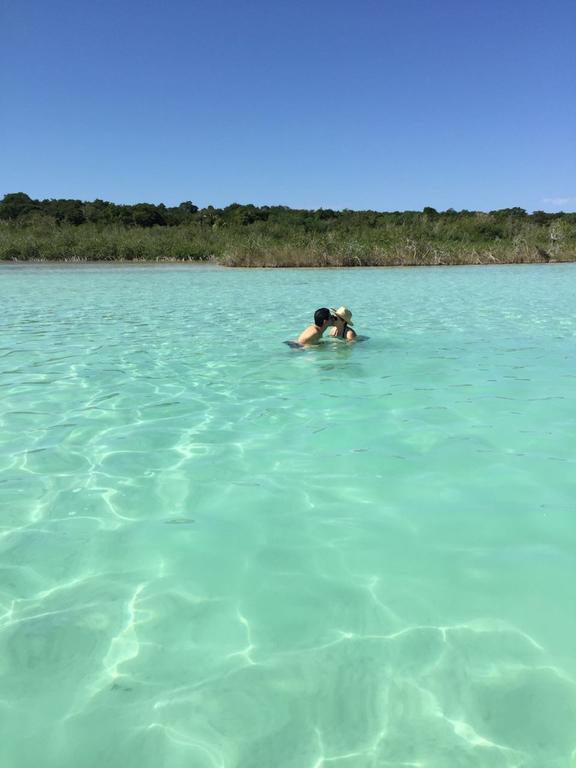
(468, 240)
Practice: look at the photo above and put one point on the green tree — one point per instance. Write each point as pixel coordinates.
(188, 208)
(71, 211)
(146, 215)
(16, 204)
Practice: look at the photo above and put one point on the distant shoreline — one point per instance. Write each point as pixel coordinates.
(188, 263)
(75, 231)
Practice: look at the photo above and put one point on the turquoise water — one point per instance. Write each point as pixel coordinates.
(217, 552)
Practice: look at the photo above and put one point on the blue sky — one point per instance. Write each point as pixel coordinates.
(383, 105)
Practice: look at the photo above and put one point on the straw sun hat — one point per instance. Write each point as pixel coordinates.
(343, 313)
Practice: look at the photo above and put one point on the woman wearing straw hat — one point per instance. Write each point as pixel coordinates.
(342, 324)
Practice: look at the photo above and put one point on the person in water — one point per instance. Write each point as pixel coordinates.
(322, 319)
(342, 322)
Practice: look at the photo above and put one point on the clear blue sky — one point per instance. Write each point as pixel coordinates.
(389, 105)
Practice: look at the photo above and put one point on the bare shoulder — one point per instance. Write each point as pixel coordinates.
(350, 334)
(308, 335)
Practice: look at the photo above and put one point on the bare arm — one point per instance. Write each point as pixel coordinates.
(309, 336)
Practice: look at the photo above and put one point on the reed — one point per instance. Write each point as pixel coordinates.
(286, 238)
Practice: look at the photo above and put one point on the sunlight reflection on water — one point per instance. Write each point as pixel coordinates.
(218, 551)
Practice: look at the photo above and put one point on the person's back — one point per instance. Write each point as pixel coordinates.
(313, 334)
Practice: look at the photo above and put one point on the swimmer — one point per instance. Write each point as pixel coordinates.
(322, 319)
(342, 322)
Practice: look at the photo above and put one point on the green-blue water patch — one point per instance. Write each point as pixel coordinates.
(218, 552)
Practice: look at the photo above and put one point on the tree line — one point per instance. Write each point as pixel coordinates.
(19, 207)
(277, 235)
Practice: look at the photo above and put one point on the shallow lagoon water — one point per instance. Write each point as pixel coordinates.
(218, 552)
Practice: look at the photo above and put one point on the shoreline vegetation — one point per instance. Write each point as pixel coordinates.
(277, 236)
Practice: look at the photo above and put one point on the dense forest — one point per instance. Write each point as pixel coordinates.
(277, 236)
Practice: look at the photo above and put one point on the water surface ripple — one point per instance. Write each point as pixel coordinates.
(217, 552)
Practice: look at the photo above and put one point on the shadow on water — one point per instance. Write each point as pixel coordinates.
(331, 356)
